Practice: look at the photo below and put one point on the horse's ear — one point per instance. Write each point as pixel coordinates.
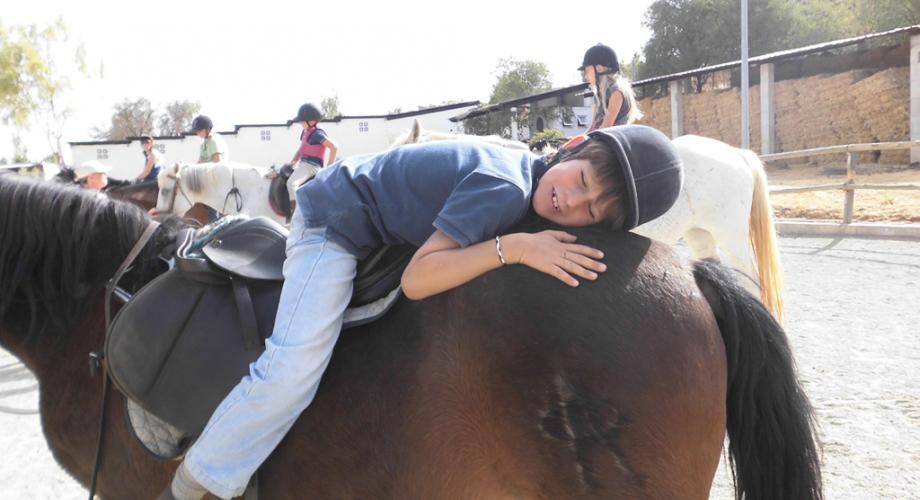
(416, 131)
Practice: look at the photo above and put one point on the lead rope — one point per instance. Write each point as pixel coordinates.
(97, 359)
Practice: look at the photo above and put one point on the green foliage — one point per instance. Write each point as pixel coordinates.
(177, 117)
(550, 135)
(23, 72)
(515, 79)
(36, 67)
(688, 34)
(330, 107)
(883, 15)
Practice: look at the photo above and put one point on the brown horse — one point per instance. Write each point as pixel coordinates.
(143, 194)
(513, 386)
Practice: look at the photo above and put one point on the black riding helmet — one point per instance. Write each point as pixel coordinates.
(308, 113)
(201, 122)
(601, 55)
(652, 169)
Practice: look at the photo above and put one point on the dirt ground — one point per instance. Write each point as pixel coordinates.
(869, 205)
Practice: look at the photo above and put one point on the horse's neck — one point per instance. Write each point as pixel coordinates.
(214, 187)
(69, 402)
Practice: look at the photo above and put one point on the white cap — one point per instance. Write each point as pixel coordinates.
(90, 167)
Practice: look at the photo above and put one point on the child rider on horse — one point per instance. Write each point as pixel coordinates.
(316, 149)
(614, 101)
(456, 201)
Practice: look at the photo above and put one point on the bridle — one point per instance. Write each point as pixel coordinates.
(96, 358)
(177, 189)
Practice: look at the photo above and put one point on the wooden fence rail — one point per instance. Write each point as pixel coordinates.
(850, 186)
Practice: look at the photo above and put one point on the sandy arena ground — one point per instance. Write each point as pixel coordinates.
(852, 317)
(888, 206)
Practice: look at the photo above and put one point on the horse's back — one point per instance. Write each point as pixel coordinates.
(516, 385)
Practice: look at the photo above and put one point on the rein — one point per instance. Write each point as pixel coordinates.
(96, 359)
(177, 188)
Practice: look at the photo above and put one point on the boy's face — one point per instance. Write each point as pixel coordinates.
(203, 133)
(569, 193)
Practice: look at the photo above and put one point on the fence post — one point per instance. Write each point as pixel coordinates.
(914, 93)
(677, 109)
(850, 194)
(767, 108)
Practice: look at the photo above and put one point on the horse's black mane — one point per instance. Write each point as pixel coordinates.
(58, 245)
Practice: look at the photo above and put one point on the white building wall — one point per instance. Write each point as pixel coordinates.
(265, 145)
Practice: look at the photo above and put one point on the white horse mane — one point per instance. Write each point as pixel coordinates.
(199, 176)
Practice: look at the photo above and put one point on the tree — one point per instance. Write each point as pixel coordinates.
(515, 79)
(178, 117)
(881, 15)
(36, 63)
(130, 119)
(22, 70)
(330, 106)
(689, 34)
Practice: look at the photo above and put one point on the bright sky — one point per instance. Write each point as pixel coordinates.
(256, 62)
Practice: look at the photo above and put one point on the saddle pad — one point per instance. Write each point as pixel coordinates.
(160, 439)
(177, 348)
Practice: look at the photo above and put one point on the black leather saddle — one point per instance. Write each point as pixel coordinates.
(187, 338)
(254, 249)
(278, 197)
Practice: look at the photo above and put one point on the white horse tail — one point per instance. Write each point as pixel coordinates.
(762, 233)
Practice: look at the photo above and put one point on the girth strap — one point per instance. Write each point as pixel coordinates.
(247, 313)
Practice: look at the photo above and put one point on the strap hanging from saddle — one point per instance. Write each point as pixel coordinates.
(235, 193)
(97, 361)
(188, 337)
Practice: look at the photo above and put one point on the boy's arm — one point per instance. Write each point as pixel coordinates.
(333, 150)
(440, 264)
(613, 109)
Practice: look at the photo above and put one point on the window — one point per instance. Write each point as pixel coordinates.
(161, 148)
(540, 124)
(266, 135)
(582, 120)
(102, 154)
(362, 126)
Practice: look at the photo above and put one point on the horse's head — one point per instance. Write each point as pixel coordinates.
(168, 183)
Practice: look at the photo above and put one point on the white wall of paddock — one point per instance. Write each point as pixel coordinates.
(268, 144)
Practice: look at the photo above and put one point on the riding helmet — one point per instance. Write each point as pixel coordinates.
(652, 169)
(308, 113)
(601, 55)
(201, 122)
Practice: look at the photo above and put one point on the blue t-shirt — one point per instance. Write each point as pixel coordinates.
(471, 191)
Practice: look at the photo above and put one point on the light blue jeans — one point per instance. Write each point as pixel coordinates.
(255, 416)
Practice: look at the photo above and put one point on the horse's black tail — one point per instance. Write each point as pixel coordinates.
(773, 449)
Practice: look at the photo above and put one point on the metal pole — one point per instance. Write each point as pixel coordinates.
(745, 100)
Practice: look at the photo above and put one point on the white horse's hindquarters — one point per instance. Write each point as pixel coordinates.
(714, 206)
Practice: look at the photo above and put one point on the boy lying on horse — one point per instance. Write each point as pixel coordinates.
(456, 202)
